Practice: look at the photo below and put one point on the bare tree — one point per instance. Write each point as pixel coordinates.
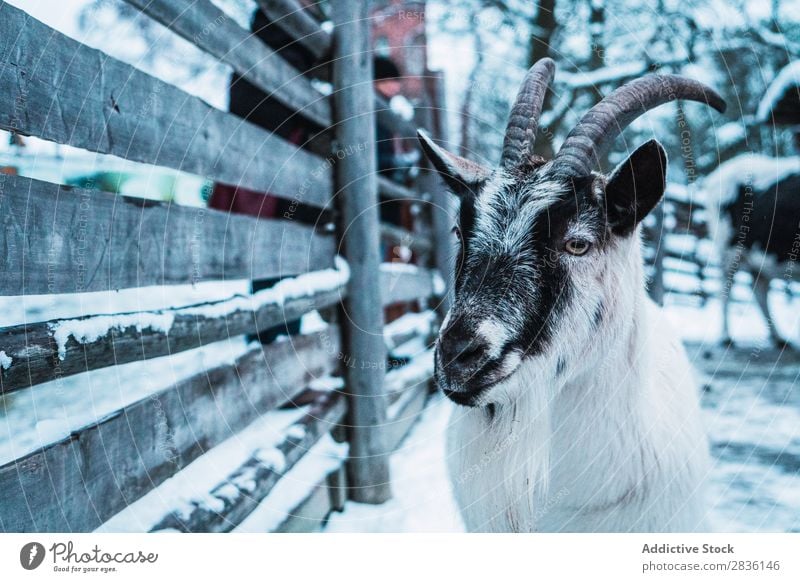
(543, 27)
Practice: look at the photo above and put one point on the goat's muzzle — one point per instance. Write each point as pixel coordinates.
(462, 359)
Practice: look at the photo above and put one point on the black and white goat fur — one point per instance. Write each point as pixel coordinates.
(580, 412)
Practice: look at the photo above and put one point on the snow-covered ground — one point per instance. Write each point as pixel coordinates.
(753, 421)
(423, 500)
(704, 324)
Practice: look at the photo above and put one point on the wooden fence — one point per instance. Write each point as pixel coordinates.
(681, 262)
(60, 240)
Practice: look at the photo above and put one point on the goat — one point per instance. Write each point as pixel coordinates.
(580, 412)
(754, 218)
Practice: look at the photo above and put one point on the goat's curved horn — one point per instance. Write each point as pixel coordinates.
(523, 121)
(588, 142)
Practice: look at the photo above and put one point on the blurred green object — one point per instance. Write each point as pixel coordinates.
(152, 186)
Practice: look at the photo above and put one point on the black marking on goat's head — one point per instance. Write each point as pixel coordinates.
(539, 240)
(521, 270)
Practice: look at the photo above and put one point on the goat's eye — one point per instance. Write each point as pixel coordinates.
(577, 246)
(457, 232)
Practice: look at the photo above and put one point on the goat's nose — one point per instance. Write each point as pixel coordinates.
(461, 351)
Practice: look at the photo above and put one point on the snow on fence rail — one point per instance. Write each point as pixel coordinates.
(77, 483)
(680, 252)
(401, 283)
(59, 240)
(681, 221)
(238, 494)
(40, 352)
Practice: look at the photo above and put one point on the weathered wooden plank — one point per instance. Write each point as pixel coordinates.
(365, 352)
(401, 283)
(78, 483)
(209, 28)
(408, 327)
(405, 412)
(48, 350)
(243, 490)
(317, 9)
(337, 487)
(296, 22)
(66, 92)
(312, 513)
(58, 239)
(389, 190)
(400, 236)
(418, 372)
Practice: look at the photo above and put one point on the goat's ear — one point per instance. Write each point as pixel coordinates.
(461, 175)
(635, 187)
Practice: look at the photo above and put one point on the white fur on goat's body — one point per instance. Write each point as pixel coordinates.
(613, 444)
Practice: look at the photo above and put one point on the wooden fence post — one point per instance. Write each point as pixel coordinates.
(357, 193)
(426, 184)
(442, 201)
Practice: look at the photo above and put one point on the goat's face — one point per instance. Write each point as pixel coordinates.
(541, 241)
(537, 254)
